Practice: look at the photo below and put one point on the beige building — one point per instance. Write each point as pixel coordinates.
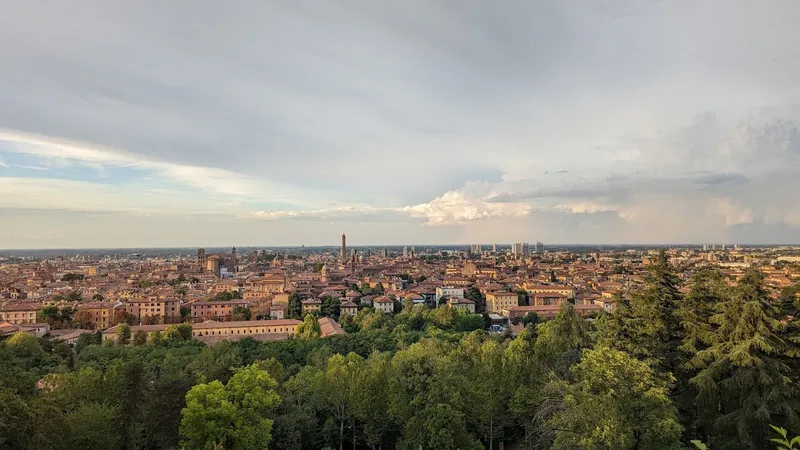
(167, 308)
(265, 329)
(100, 314)
(462, 304)
(311, 305)
(20, 313)
(384, 304)
(497, 301)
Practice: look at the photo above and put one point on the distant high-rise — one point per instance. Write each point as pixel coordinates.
(255, 255)
(405, 252)
(343, 251)
(494, 248)
(476, 248)
(384, 252)
(234, 261)
(519, 249)
(201, 256)
(705, 247)
(413, 253)
(538, 248)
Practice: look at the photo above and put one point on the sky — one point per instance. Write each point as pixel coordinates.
(207, 123)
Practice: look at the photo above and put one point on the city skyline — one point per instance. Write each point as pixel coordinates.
(127, 126)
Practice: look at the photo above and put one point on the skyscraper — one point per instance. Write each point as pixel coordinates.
(538, 248)
(344, 249)
(405, 252)
(385, 252)
(519, 249)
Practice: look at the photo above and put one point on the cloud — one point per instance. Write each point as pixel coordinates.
(532, 116)
(455, 207)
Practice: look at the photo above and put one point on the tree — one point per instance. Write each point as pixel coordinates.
(122, 316)
(646, 325)
(123, 334)
(68, 277)
(524, 297)
(155, 337)
(614, 402)
(530, 318)
(139, 338)
(561, 340)
(309, 328)
(295, 308)
(179, 332)
(185, 313)
(743, 373)
(84, 320)
(335, 389)
(369, 392)
(235, 415)
(241, 313)
(92, 426)
(476, 296)
(87, 339)
(330, 307)
(97, 298)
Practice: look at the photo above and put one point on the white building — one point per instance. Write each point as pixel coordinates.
(384, 304)
(451, 292)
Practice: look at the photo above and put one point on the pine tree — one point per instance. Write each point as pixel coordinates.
(655, 326)
(743, 374)
(645, 324)
(707, 289)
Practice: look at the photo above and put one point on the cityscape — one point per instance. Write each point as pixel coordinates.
(408, 225)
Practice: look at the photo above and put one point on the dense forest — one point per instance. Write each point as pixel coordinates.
(700, 360)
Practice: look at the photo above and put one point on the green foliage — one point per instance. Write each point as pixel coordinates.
(226, 296)
(234, 415)
(474, 294)
(614, 402)
(140, 338)
(123, 334)
(241, 313)
(331, 307)
(55, 317)
(72, 277)
(724, 365)
(743, 372)
(309, 328)
(646, 324)
(295, 308)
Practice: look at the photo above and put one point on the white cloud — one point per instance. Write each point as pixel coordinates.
(733, 213)
(454, 208)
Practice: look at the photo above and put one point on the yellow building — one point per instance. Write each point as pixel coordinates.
(280, 329)
(98, 313)
(20, 313)
(311, 305)
(496, 302)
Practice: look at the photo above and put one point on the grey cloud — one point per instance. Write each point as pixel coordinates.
(394, 104)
